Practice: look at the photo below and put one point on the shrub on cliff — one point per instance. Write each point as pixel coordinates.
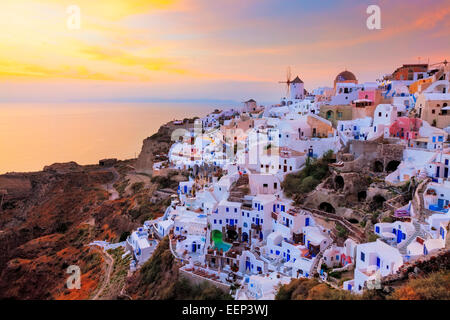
(435, 286)
(309, 177)
(159, 279)
(311, 289)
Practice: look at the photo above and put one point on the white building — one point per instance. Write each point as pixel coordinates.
(139, 243)
(373, 261)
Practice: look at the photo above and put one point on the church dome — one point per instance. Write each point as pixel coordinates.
(345, 76)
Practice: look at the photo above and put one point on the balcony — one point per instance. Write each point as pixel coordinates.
(256, 227)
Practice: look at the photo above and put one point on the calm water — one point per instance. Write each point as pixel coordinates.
(35, 135)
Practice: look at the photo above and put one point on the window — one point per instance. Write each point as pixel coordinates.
(363, 256)
(228, 209)
(235, 210)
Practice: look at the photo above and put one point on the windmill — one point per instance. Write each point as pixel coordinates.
(288, 81)
(445, 62)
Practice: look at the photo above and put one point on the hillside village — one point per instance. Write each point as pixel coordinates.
(347, 186)
(381, 203)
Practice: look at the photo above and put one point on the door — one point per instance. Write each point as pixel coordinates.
(446, 173)
(307, 222)
(440, 203)
(194, 247)
(257, 221)
(399, 236)
(288, 257)
(378, 262)
(247, 265)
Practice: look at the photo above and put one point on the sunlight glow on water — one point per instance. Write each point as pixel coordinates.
(35, 135)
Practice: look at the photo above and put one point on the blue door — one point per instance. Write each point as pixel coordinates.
(185, 189)
(257, 221)
(349, 287)
(378, 262)
(247, 265)
(307, 222)
(446, 173)
(231, 222)
(288, 257)
(437, 172)
(194, 247)
(399, 236)
(440, 203)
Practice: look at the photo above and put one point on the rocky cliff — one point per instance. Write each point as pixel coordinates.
(156, 147)
(46, 221)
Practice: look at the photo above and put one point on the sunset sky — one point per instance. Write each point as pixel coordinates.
(151, 50)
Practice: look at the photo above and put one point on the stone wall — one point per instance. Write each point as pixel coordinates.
(423, 265)
(196, 279)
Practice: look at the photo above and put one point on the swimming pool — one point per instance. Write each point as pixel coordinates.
(218, 241)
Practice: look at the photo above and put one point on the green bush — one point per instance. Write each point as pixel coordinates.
(309, 177)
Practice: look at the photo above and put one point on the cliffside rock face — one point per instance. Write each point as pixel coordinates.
(14, 186)
(62, 168)
(44, 229)
(156, 147)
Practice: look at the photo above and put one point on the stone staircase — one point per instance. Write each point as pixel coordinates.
(418, 232)
(318, 261)
(237, 192)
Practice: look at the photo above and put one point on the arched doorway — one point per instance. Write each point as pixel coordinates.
(232, 235)
(392, 165)
(330, 114)
(327, 207)
(339, 182)
(362, 195)
(377, 202)
(378, 166)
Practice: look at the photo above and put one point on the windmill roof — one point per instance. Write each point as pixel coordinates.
(297, 80)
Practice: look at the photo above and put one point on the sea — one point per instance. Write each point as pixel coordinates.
(35, 135)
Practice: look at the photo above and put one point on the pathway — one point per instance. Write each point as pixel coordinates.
(109, 267)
